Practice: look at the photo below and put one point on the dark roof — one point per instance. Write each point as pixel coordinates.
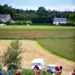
(60, 19)
(3, 16)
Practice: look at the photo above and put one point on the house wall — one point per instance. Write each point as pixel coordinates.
(57, 23)
(8, 18)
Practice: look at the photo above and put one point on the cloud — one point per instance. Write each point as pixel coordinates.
(73, 7)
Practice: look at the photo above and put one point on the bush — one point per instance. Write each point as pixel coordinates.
(9, 23)
(30, 72)
(1, 21)
(68, 24)
(19, 22)
(24, 22)
(12, 66)
(28, 22)
(27, 72)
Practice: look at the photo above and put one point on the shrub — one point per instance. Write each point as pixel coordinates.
(19, 22)
(24, 22)
(27, 72)
(68, 24)
(30, 72)
(28, 22)
(1, 21)
(9, 23)
(11, 56)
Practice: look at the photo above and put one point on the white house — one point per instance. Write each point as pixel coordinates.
(57, 21)
(6, 17)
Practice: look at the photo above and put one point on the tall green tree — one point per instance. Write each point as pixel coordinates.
(42, 12)
(42, 16)
(12, 55)
(72, 17)
(5, 9)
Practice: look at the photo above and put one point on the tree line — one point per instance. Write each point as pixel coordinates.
(41, 15)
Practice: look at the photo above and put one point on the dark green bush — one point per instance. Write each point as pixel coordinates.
(9, 23)
(24, 22)
(1, 21)
(19, 22)
(12, 66)
(68, 24)
(29, 22)
(27, 72)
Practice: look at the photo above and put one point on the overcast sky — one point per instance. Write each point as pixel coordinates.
(61, 5)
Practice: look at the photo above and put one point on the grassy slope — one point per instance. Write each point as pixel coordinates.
(62, 47)
(58, 40)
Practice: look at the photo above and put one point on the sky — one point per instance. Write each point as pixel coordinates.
(59, 5)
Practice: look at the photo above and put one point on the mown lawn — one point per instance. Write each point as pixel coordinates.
(59, 40)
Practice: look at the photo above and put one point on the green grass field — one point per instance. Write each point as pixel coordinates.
(61, 47)
(59, 40)
(36, 32)
(36, 27)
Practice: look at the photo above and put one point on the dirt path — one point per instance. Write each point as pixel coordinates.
(34, 50)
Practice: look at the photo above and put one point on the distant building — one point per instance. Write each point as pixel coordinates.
(6, 17)
(57, 21)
